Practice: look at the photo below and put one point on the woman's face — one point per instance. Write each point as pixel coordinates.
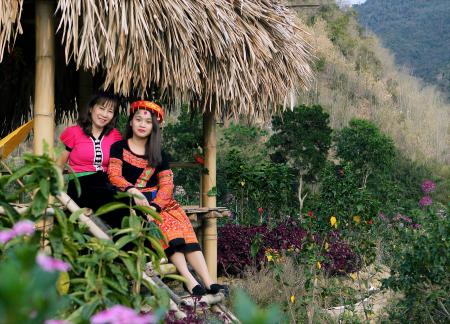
(102, 114)
(141, 124)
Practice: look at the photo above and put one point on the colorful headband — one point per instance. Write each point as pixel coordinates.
(148, 105)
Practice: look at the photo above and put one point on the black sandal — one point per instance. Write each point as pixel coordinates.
(197, 291)
(214, 289)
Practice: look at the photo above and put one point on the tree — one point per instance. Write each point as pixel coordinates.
(365, 147)
(301, 139)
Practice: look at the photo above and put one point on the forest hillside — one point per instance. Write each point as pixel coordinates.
(417, 31)
(356, 77)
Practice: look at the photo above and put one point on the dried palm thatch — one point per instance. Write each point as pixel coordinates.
(10, 12)
(240, 56)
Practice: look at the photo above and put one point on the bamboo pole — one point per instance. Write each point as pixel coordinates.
(208, 183)
(44, 89)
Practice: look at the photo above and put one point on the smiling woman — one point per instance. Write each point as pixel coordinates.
(87, 152)
(138, 166)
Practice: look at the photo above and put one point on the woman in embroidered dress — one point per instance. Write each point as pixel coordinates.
(87, 152)
(138, 167)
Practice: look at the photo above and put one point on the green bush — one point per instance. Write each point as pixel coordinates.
(101, 271)
(301, 138)
(421, 271)
(256, 184)
(181, 140)
(365, 147)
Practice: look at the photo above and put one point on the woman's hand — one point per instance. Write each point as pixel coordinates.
(138, 197)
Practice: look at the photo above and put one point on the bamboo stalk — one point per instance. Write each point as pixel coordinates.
(208, 183)
(73, 207)
(44, 95)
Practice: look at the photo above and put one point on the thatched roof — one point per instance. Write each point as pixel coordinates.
(10, 12)
(243, 56)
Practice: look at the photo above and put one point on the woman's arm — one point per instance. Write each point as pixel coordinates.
(118, 180)
(165, 190)
(62, 160)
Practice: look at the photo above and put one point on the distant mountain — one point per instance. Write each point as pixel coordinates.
(416, 31)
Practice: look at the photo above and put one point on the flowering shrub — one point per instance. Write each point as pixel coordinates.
(49, 264)
(23, 227)
(342, 197)
(235, 244)
(80, 275)
(119, 314)
(27, 292)
(428, 186)
(421, 270)
(339, 256)
(425, 201)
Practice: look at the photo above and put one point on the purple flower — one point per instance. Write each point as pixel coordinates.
(24, 227)
(402, 217)
(416, 226)
(428, 186)
(6, 236)
(119, 314)
(53, 321)
(50, 264)
(383, 217)
(425, 201)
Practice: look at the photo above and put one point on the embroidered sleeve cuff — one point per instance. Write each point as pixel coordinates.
(158, 208)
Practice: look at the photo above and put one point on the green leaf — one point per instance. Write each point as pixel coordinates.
(135, 223)
(115, 285)
(45, 187)
(124, 240)
(57, 173)
(149, 210)
(130, 266)
(10, 211)
(123, 231)
(76, 214)
(62, 220)
(110, 207)
(212, 192)
(157, 246)
(20, 173)
(39, 204)
(121, 194)
(175, 277)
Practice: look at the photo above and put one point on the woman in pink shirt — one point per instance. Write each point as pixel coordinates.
(87, 152)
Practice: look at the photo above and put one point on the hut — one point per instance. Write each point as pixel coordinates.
(225, 58)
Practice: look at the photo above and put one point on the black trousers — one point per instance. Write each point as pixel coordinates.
(96, 191)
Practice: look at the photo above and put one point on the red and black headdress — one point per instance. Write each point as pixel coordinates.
(150, 106)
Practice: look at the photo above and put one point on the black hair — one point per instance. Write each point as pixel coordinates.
(153, 144)
(85, 118)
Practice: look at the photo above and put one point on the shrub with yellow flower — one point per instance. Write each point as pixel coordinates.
(333, 221)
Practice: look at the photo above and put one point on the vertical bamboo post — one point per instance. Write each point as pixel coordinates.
(44, 89)
(208, 183)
